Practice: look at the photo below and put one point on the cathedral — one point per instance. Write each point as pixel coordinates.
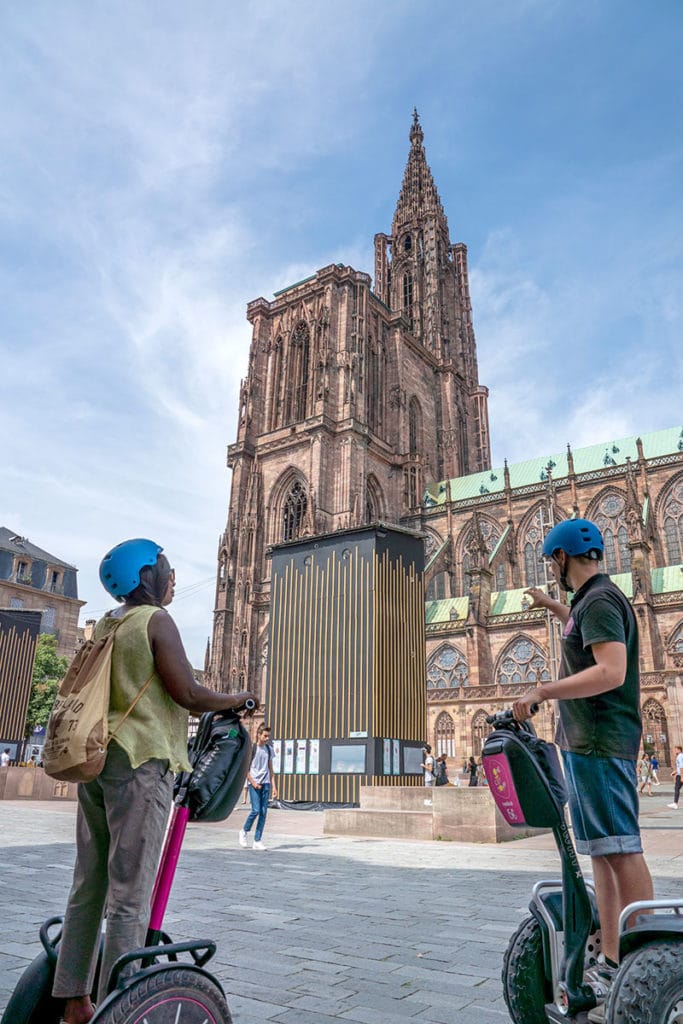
(361, 404)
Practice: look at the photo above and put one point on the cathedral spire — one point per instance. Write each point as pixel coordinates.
(419, 197)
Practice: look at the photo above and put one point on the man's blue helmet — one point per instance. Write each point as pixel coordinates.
(575, 537)
(120, 567)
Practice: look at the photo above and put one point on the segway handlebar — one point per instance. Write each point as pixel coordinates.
(507, 716)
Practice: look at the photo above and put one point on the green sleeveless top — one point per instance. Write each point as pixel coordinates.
(157, 726)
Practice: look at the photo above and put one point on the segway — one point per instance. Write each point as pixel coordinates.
(551, 971)
(162, 989)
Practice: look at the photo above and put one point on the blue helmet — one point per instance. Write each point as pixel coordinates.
(574, 537)
(120, 567)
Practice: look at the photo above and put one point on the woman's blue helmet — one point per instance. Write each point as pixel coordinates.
(120, 567)
(574, 537)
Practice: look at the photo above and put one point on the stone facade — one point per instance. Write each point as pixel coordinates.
(33, 579)
(357, 398)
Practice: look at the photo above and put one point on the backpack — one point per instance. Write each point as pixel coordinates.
(77, 734)
(220, 756)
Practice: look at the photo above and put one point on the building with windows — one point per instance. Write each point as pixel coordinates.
(34, 580)
(362, 403)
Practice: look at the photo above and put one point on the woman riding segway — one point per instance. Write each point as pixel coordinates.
(122, 814)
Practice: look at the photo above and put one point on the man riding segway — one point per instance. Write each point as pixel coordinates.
(600, 727)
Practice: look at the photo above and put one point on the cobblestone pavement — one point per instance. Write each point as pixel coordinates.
(323, 929)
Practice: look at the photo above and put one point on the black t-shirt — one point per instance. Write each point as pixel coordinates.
(609, 724)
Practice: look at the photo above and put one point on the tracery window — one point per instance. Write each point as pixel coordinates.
(480, 730)
(656, 730)
(447, 668)
(675, 646)
(523, 661)
(491, 533)
(534, 573)
(294, 512)
(444, 735)
(297, 376)
(414, 427)
(436, 591)
(408, 297)
(276, 406)
(610, 520)
(374, 395)
(673, 524)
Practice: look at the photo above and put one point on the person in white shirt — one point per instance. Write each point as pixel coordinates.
(4, 758)
(677, 773)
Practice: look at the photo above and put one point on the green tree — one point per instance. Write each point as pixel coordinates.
(49, 669)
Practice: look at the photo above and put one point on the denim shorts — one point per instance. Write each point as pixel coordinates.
(603, 804)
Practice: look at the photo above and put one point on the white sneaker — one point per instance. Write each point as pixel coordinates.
(243, 838)
(674, 807)
(259, 845)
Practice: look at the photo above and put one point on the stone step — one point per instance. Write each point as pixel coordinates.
(387, 824)
(394, 798)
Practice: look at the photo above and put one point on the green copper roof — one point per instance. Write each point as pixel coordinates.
(666, 580)
(440, 611)
(532, 471)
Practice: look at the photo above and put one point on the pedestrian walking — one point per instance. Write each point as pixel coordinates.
(473, 769)
(677, 774)
(654, 768)
(428, 769)
(5, 758)
(123, 813)
(261, 783)
(598, 694)
(645, 772)
(441, 771)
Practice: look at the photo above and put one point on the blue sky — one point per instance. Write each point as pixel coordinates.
(162, 164)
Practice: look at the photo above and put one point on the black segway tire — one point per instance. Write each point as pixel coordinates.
(166, 996)
(32, 1002)
(525, 986)
(648, 987)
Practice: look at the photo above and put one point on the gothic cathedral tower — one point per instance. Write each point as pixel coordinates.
(354, 399)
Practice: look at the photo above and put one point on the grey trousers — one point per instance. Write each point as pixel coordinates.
(120, 826)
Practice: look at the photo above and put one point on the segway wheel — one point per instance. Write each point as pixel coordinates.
(32, 1002)
(525, 986)
(648, 987)
(174, 995)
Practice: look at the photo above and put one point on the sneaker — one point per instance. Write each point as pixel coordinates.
(259, 845)
(243, 838)
(674, 807)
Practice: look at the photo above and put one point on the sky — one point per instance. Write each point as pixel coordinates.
(163, 164)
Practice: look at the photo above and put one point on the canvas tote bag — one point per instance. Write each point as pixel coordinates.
(77, 734)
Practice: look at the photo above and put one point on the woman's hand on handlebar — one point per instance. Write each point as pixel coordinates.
(245, 702)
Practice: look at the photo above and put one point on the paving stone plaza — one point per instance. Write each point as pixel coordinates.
(324, 929)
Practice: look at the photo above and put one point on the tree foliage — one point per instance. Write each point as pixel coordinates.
(49, 669)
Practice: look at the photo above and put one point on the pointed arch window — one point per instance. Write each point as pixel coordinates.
(373, 394)
(609, 517)
(447, 668)
(444, 735)
(523, 662)
(480, 730)
(534, 573)
(436, 591)
(408, 297)
(296, 393)
(414, 427)
(294, 512)
(276, 406)
(673, 524)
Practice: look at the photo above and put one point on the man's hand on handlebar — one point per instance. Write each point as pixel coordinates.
(527, 705)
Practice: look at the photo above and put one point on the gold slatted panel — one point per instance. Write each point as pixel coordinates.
(17, 651)
(399, 650)
(347, 655)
